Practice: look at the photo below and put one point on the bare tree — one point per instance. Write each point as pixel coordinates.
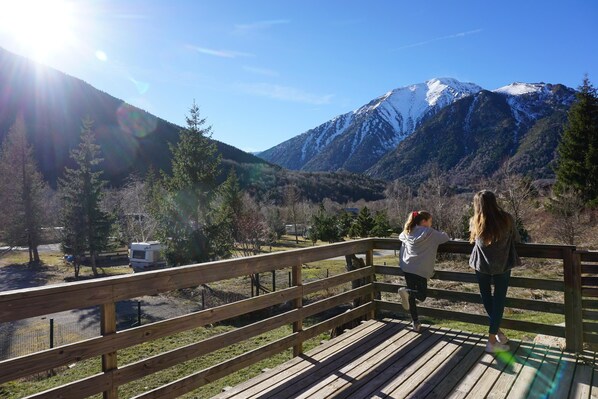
(514, 192)
(138, 223)
(567, 209)
(292, 197)
(252, 228)
(400, 201)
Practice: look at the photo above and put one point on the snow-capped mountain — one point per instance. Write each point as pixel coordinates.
(471, 138)
(357, 140)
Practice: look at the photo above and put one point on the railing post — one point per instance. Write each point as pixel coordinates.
(369, 261)
(573, 305)
(107, 327)
(298, 304)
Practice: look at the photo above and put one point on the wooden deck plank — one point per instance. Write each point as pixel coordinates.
(581, 385)
(466, 384)
(326, 375)
(594, 389)
(504, 383)
(410, 374)
(385, 359)
(358, 371)
(297, 364)
(419, 386)
(299, 382)
(564, 377)
(489, 378)
(443, 388)
(528, 373)
(543, 383)
(385, 372)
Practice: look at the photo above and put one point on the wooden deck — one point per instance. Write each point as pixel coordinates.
(385, 359)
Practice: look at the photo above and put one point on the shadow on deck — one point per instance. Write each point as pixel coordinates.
(385, 359)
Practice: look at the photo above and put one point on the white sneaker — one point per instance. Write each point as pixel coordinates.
(496, 347)
(502, 338)
(416, 326)
(404, 294)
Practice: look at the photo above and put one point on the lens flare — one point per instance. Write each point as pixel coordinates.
(100, 55)
(135, 122)
(142, 87)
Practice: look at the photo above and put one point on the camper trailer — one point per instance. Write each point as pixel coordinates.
(145, 256)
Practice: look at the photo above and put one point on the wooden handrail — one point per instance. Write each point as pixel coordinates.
(41, 301)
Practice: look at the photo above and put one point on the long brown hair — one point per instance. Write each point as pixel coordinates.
(415, 218)
(489, 222)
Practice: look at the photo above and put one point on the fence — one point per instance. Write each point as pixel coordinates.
(16, 305)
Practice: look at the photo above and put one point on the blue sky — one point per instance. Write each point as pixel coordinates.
(265, 71)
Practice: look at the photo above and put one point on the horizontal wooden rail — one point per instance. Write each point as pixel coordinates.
(547, 251)
(523, 282)
(518, 303)
(536, 328)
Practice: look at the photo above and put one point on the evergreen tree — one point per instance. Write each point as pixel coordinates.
(21, 192)
(344, 223)
(381, 225)
(86, 226)
(185, 223)
(577, 165)
(363, 225)
(230, 207)
(324, 227)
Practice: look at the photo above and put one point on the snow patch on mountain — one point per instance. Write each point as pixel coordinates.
(518, 88)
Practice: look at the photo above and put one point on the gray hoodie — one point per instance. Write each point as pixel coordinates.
(418, 252)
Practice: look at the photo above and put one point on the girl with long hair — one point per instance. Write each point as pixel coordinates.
(493, 233)
(419, 244)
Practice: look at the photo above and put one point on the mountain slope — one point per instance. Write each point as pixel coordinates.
(53, 105)
(471, 138)
(357, 140)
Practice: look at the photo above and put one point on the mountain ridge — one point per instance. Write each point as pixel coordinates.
(346, 142)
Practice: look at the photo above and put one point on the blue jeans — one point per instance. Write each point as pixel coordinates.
(494, 304)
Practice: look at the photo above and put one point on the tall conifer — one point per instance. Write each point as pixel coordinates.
(21, 192)
(86, 226)
(577, 166)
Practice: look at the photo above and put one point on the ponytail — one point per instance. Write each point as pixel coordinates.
(414, 219)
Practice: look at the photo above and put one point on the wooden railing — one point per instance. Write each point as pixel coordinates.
(16, 305)
(570, 286)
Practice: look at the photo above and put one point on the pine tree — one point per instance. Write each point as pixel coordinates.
(324, 227)
(577, 165)
(381, 225)
(86, 226)
(230, 207)
(185, 224)
(21, 192)
(364, 223)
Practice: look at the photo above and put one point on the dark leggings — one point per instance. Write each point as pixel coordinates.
(419, 290)
(494, 304)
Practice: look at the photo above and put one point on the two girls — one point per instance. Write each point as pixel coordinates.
(493, 233)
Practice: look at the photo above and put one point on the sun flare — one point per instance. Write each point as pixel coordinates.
(40, 27)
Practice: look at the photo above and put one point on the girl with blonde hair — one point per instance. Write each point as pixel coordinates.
(419, 244)
(493, 233)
